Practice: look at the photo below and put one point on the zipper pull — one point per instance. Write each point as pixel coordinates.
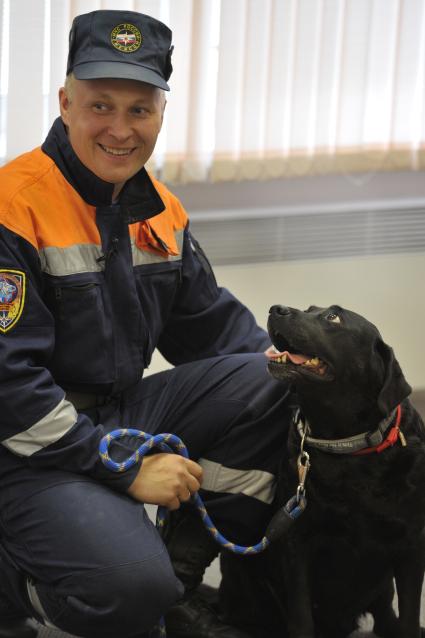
(114, 247)
(111, 251)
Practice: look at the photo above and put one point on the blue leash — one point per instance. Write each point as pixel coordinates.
(172, 443)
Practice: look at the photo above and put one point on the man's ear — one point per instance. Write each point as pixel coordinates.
(64, 103)
(395, 387)
(164, 104)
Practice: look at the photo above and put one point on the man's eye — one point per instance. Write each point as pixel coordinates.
(333, 317)
(140, 110)
(100, 107)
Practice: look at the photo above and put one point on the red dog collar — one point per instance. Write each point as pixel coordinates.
(364, 443)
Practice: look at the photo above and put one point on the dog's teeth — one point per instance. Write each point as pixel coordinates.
(313, 363)
(283, 358)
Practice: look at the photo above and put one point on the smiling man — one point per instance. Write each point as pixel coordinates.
(112, 125)
(98, 268)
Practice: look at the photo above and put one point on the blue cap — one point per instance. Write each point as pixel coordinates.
(120, 44)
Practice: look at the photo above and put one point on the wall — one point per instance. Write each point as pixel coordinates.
(388, 289)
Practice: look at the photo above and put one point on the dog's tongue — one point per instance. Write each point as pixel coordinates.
(297, 359)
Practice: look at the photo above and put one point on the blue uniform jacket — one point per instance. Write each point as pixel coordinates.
(88, 290)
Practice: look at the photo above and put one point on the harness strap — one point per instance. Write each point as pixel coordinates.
(393, 435)
(375, 441)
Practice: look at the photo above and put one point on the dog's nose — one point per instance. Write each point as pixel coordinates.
(279, 310)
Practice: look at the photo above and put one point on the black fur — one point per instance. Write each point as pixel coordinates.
(363, 527)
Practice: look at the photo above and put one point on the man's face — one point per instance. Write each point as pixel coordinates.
(112, 125)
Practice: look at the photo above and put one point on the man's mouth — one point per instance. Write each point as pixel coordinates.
(117, 152)
(312, 364)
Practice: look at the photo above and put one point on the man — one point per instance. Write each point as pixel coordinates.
(98, 268)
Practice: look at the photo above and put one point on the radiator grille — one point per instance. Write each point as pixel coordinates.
(234, 237)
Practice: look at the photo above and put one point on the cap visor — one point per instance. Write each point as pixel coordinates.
(120, 71)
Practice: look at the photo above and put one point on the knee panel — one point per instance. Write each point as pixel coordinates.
(122, 600)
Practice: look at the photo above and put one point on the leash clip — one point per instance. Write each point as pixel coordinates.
(303, 465)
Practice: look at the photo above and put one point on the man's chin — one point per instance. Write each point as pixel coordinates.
(117, 177)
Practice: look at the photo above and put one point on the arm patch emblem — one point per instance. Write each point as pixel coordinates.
(12, 298)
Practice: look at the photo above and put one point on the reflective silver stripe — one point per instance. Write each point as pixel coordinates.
(80, 258)
(70, 260)
(36, 604)
(142, 257)
(255, 483)
(48, 430)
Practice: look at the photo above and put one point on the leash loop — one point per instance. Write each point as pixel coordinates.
(167, 442)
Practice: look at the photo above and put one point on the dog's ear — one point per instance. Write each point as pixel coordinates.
(395, 387)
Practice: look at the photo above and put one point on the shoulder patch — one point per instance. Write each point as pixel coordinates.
(12, 297)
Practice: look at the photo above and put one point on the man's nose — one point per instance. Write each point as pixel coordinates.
(120, 128)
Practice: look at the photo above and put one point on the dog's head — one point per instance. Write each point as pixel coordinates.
(335, 352)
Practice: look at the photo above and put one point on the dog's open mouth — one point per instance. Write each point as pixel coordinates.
(282, 363)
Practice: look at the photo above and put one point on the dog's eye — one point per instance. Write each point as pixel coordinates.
(333, 317)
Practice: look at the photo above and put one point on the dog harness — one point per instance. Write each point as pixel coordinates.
(386, 435)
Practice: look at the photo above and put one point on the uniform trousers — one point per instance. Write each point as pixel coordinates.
(96, 564)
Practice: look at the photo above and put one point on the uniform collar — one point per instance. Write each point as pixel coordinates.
(139, 200)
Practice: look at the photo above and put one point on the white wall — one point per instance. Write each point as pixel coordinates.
(388, 290)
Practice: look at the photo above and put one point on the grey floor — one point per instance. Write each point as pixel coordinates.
(212, 576)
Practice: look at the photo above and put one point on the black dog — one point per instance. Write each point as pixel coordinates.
(356, 460)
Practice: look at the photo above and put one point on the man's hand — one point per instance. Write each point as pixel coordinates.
(166, 479)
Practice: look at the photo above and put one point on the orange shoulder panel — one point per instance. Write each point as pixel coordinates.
(173, 218)
(173, 206)
(38, 203)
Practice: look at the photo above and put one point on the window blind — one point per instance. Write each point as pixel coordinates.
(261, 88)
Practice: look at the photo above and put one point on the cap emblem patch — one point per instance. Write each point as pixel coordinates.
(126, 38)
(12, 297)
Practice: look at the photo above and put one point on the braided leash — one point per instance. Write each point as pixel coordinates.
(172, 443)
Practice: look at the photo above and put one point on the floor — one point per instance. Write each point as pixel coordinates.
(212, 576)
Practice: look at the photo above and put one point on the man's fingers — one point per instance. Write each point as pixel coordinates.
(195, 469)
(193, 484)
(174, 504)
(166, 479)
(185, 495)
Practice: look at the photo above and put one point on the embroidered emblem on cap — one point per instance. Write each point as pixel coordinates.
(12, 297)
(126, 38)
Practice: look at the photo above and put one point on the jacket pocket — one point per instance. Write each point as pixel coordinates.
(84, 348)
(157, 286)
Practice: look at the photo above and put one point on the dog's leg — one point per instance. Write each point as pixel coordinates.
(297, 576)
(409, 573)
(384, 617)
